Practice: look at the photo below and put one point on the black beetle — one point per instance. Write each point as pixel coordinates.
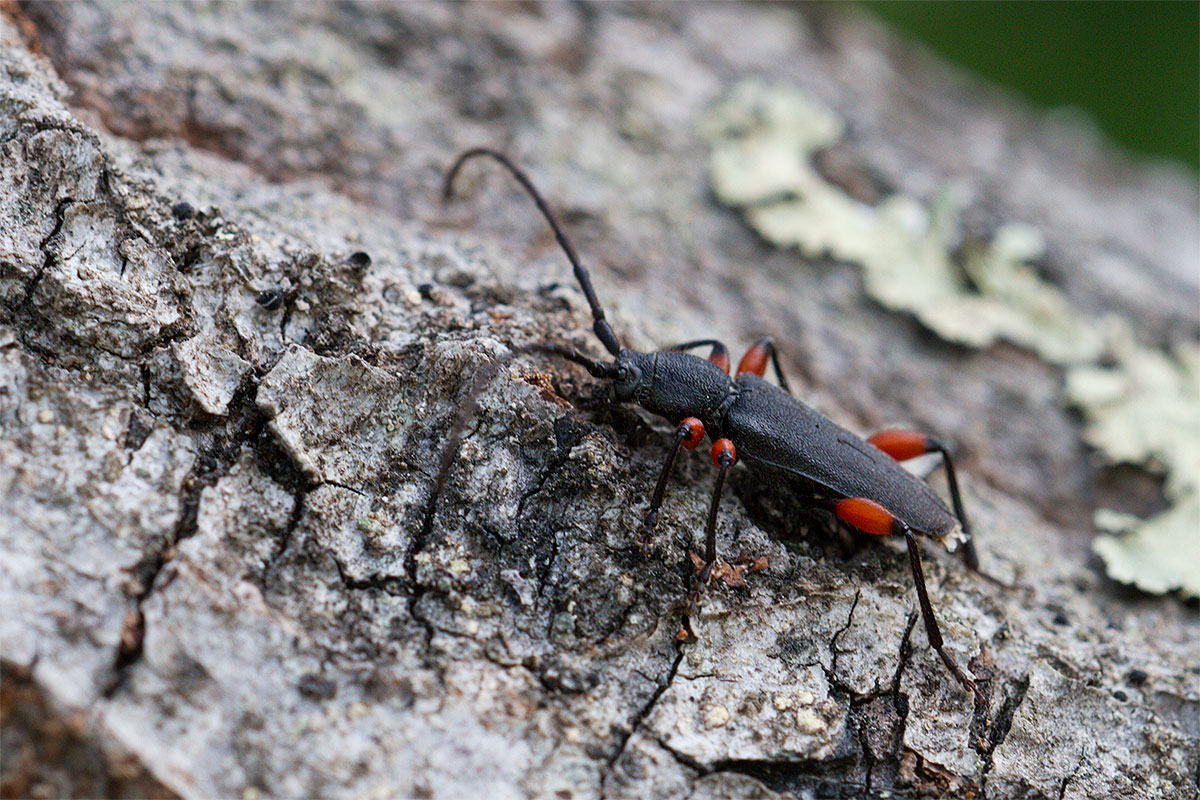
(859, 480)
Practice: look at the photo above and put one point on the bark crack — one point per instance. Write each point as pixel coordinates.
(48, 256)
(1014, 696)
(638, 718)
(820, 778)
(1062, 788)
(244, 425)
(900, 699)
(833, 649)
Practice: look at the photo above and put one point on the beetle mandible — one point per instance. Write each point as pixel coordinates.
(763, 425)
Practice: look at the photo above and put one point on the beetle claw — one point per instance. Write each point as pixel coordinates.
(649, 523)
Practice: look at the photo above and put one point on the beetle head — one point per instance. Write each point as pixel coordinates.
(631, 371)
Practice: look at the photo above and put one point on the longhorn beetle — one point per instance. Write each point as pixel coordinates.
(761, 424)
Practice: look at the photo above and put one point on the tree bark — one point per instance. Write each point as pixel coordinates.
(236, 326)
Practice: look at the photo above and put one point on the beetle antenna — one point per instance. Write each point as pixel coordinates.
(598, 369)
(599, 325)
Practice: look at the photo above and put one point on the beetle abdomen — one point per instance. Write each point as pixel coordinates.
(773, 430)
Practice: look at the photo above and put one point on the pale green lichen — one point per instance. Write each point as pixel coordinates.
(1145, 410)
(1157, 555)
(763, 143)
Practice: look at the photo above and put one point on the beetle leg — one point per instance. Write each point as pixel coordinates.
(689, 434)
(931, 624)
(719, 354)
(903, 445)
(756, 359)
(873, 518)
(724, 455)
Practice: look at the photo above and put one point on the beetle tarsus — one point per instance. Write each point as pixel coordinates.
(697, 591)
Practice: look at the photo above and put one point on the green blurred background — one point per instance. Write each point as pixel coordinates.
(1133, 66)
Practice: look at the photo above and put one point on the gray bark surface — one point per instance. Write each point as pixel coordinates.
(235, 326)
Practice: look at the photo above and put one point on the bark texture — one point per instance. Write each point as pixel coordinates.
(235, 324)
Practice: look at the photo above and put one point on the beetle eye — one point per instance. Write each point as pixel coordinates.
(622, 373)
